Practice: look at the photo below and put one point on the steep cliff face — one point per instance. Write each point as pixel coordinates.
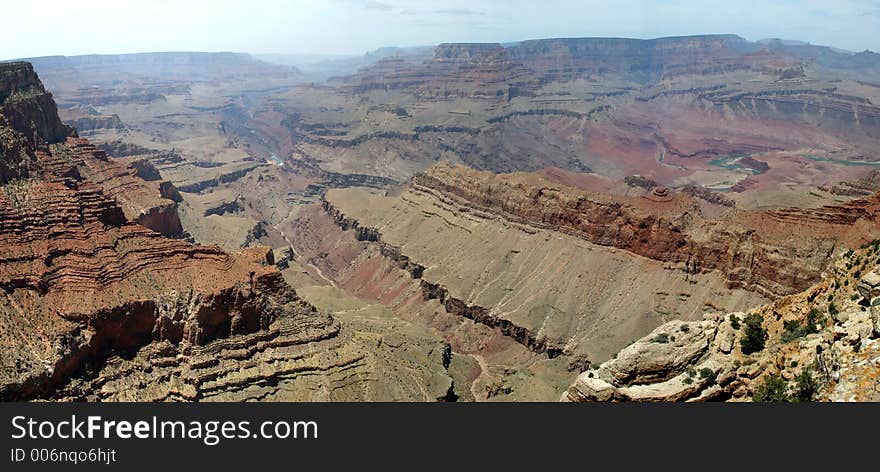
(753, 250)
(16, 155)
(28, 107)
(642, 60)
(479, 70)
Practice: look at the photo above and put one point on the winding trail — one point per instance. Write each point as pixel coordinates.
(307, 263)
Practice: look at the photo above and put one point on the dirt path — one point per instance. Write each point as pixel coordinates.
(307, 263)
(484, 370)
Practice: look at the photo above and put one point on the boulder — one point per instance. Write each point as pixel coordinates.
(872, 279)
(590, 389)
(875, 320)
(859, 327)
(660, 355)
(869, 285)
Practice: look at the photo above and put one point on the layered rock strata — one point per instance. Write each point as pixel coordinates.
(754, 250)
(95, 306)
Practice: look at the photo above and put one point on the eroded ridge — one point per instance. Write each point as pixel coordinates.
(761, 251)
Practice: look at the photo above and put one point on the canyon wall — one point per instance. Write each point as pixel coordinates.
(753, 250)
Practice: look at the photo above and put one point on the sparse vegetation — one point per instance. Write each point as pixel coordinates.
(773, 389)
(755, 336)
(795, 329)
(709, 375)
(21, 95)
(806, 387)
(661, 338)
(17, 192)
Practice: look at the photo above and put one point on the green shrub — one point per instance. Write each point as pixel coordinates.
(773, 389)
(815, 317)
(793, 330)
(734, 322)
(661, 338)
(755, 336)
(805, 387)
(708, 374)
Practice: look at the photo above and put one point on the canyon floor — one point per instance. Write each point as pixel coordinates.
(471, 222)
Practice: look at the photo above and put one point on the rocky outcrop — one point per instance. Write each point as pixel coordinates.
(135, 184)
(224, 176)
(311, 168)
(92, 123)
(16, 155)
(703, 193)
(489, 70)
(641, 60)
(806, 345)
(29, 109)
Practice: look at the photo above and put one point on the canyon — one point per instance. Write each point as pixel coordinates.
(100, 304)
(576, 218)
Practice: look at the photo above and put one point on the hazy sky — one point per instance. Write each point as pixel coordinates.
(49, 27)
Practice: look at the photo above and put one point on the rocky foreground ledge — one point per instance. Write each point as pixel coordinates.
(821, 344)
